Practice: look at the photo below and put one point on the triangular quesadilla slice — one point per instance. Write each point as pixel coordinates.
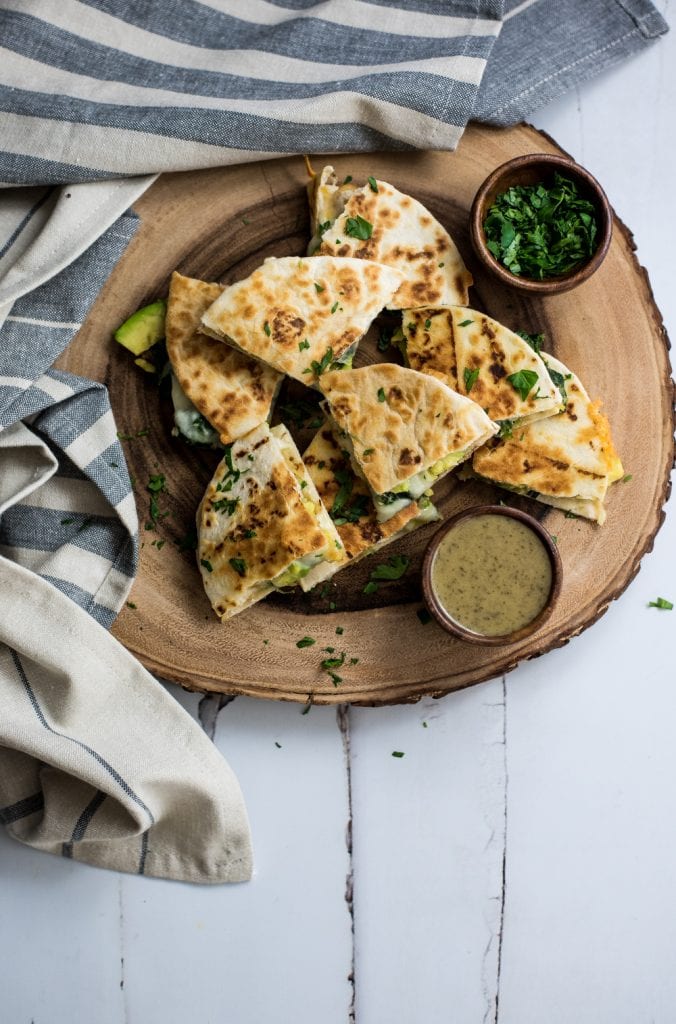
(302, 315)
(348, 499)
(380, 223)
(232, 391)
(404, 430)
(482, 359)
(259, 528)
(567, 460)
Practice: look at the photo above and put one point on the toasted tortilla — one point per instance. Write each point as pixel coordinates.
(355, 515)
(404, 235)
(232, 391)
(254, 522)
(302, 315)
(458, 342)
(327, 197)
(567, 460)
(398, 424)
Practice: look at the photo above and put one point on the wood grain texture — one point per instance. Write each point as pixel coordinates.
(220, 225)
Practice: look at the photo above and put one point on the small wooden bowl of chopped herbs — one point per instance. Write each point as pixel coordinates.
(541, 223)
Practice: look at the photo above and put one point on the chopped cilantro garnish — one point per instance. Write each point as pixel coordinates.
(536, 341)
(523, 381)
(373, 184)
(249, 534)
(340, 511)
(541, 232)
(303, 344)
(227, 505)
(318, 367)
(357, 227)
(384, 339)
(370, 588)
(335, 678)
(626, 479)
(424, 616)
(335, 305)
(83, 526)
(206, 564)
(130, 604)
(661, 602)
(381, 394)
(239, 565)
(266, 328)
(397, 753)
(571, 515)
(368, 451)
(465, 323)
(67, 522)
(389, 497)
(302, 414)
(319, 287)
(428, 324)
(307, 641)
(470, 377)
(278, 745)
(323, 227)
(329, 663)
(394, 569)
(347, 180)
(339, 630)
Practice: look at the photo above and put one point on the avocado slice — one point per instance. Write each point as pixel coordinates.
(143, 329)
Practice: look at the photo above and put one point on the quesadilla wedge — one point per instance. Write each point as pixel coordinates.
(482, 359)
(380, 223)
(404, 430)
(258, 528)
(232, 391)
(302, 316)
(567, 460)
(349, 502)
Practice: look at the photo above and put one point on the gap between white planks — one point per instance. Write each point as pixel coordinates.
(425, 838)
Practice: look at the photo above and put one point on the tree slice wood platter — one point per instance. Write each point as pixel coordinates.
(219, 225)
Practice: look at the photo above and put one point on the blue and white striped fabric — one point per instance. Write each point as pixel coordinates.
(96, 98)
(93, 89)
(79, 529)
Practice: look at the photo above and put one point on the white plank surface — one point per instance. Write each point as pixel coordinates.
(564, 772)
(428, 854)
(278, 948)
(590, 869)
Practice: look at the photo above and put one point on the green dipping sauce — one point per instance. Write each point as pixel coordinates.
(492, 574)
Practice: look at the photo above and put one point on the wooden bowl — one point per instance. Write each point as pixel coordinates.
(439, 611)
(531, 170)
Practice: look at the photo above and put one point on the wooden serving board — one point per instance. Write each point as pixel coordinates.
(219, 225)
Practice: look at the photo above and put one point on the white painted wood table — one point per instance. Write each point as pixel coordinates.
(517, 865)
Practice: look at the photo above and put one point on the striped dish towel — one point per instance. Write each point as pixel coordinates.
(96, 98)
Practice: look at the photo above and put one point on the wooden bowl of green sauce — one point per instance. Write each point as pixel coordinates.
(491, 575)
(541, 223)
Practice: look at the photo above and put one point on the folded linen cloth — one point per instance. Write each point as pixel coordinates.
(96, 761)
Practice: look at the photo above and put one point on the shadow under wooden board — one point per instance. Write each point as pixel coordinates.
(219, 225)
